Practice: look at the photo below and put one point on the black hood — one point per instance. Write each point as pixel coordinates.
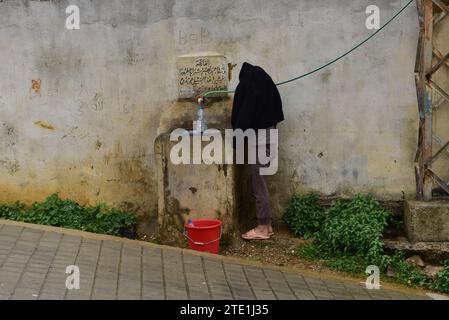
(246, 72)
(257, 102)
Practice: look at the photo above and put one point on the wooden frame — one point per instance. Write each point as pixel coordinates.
(425, 88)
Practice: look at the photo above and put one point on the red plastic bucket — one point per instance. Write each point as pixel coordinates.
(204, 235)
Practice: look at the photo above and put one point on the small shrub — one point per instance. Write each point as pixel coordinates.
(355, 228)
(348, 238)
(406, 273)
(11, 212)
(304, 215)
(69, 214)
(442, 280)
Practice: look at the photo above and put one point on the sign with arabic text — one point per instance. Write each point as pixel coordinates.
(196, 75)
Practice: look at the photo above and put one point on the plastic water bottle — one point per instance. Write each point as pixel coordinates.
(201, 124)
(190, 223)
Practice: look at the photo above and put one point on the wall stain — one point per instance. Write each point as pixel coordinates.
(132, 57)
(36, 86)
(98, 103)
(325, 76)
(355, 174)
(11, 166)
(223, 167)
(230, 68)
(98, 145)
(8, 142)
(193, 190)
(44, 125)
(11, 136)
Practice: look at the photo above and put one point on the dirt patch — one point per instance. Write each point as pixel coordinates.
(280, 250)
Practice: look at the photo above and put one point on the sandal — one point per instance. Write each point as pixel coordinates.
(253, 235)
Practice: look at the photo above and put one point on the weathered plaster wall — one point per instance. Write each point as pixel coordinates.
(86, 126)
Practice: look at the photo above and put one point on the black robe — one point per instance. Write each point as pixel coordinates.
(257, 102)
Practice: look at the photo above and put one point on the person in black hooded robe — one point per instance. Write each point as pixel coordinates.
(257, 105)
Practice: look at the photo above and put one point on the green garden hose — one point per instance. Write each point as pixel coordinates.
(208, 93)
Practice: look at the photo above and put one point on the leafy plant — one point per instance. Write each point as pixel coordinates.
(355, 228)
(11, 212)
(55, 211)
(350, 238)
(406, 273)
(304, 215)
(349, 264)
(442, 280)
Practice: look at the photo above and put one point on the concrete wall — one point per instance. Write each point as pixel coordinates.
(80, 110)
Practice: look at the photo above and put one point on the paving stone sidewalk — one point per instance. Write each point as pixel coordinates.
(33, 262)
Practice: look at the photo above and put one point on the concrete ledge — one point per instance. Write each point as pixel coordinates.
(427, 221)
(434, 252)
